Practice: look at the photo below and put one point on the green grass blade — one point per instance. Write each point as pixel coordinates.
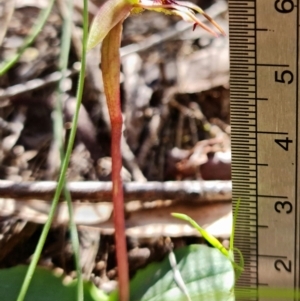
(58, 131)
(206, 235)
(28, 41)
(65, 164)
(239, 267)
(75, 245)
(235, 214)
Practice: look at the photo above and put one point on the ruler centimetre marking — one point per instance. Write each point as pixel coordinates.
(264, 85)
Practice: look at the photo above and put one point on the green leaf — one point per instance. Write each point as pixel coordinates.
(207, 274)
(45, 286)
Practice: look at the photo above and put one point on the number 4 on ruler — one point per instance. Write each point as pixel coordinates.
(284, 143)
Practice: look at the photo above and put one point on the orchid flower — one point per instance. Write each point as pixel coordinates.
(115, 11)
(107, 28)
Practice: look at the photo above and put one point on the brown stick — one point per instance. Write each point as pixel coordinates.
(189, 191)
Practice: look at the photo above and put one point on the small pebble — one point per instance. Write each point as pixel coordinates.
(111, 274)
(58, 272)
(109, 286)
(100, 265)
(67, 279)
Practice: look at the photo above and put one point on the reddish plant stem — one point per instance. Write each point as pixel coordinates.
(118, 201)
(110, 65)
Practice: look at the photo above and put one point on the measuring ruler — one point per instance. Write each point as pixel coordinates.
(264, 87)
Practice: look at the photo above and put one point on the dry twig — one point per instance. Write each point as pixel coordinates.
(188, 191)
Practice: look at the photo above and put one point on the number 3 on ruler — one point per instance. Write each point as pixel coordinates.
(282, 205)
